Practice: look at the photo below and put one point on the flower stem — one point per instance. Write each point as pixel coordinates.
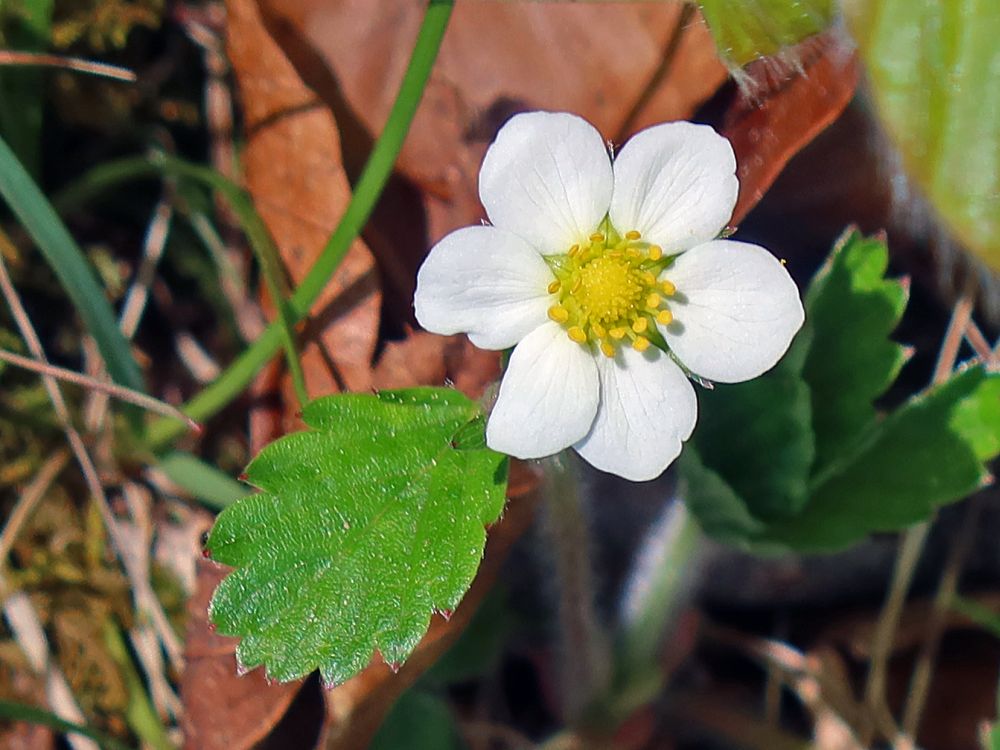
(586, 658)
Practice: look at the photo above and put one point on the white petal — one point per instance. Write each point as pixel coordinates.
(648, 408)
(485, 282)
(676, 184)
(735, 312)
(547, 177)
(548, 396)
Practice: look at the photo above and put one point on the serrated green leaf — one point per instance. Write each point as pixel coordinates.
(851, 309)
(928, 453)
(364, 526)
(932, 66)
(745, 30)
(758, 436)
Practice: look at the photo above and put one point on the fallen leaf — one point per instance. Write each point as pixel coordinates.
(223, 710)
(787, 110)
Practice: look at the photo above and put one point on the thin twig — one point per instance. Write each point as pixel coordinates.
(137, 499)
(153, 246)
(76, 443)
(26, 626)
(12, 57)
(111, 389)
(912, 545)
(981, 346)
(93, 481)
(32, 494)
(948, 585)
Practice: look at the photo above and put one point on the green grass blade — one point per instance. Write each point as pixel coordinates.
(70, 265)
(209, 485)
(11, 711)
(369, 187)
(108, 175)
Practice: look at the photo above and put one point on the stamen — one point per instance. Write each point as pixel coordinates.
(609, 293)
(558, 313)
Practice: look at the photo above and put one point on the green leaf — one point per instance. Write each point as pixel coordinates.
(764, 422)
(365, 525)
(933, 67)
(70, 266)
(928, 453)
(11, 711)
(208, 484)
(721, 513)
(851, 309)
(418, 721)
(984, 617)
(27, 28)
(478, 649)
(745, 30)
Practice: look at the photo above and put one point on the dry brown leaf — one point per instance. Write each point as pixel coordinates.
(222, 710)
(299, 186)
(788, 110)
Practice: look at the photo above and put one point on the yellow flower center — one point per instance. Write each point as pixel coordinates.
(609, 291)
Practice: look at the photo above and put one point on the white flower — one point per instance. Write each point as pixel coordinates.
(586, 265)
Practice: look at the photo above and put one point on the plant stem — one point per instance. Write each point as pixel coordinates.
(369, 187)
(653, 599)
(586, 658)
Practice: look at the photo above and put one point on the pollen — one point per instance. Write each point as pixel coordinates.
(559, 314)
(610, 291)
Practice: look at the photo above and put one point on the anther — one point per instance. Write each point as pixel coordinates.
(598, 330)
(576, 333)
(632, 235)
(664, 317)
(640, 344)
(607, 350)
(655, 252)
(573, 250)
(597, 238)
(617, 333)
(653, 301)
(558, 313)
(640, 325)
(668, 288)
(554, 286)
